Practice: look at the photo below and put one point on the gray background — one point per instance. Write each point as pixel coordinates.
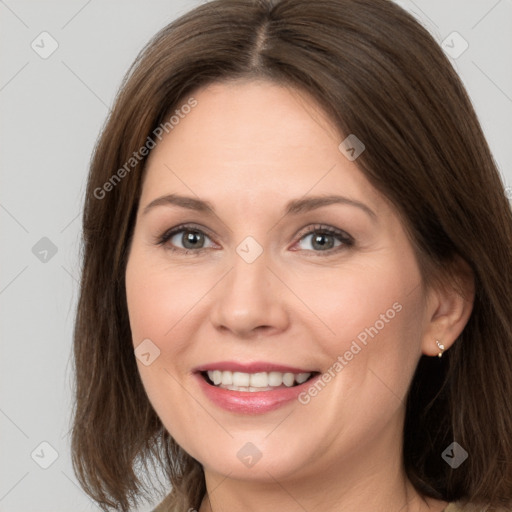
(51, 113)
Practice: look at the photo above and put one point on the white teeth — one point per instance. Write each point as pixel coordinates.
(227, 378)
(288, 379)
(217, 377)
(302, 377)
(275, 378)
(260, 381)
(241, 379)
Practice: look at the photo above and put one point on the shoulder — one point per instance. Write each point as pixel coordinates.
(468, 507)
(459, 507)
(167, 505)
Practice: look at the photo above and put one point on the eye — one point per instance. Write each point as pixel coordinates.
(325, 239)
(190, 239)
(185, 238)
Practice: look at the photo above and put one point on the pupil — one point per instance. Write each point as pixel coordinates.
(192, 239)
(320, 241)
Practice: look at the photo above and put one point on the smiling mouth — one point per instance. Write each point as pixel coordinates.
(254, 382)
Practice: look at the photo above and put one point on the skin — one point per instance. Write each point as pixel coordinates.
(248, 148)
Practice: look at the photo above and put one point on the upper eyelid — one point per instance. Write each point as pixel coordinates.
(188, 227)
(308, 230)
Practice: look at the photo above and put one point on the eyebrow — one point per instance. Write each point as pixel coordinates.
(294, 207)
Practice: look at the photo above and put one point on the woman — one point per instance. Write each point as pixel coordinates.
(296, 274)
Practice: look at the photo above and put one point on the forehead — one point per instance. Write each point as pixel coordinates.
(254, 138)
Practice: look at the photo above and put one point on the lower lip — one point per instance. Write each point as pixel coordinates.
(248, 402)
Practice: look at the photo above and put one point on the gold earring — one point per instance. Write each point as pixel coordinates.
(441, 348)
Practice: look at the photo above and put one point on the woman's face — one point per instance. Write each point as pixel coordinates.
(265, 283)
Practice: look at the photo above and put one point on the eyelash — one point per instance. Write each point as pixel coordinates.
(345, 238)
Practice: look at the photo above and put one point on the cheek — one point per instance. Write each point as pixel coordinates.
(157, 301)
(159, 297)
(371, 333)
(373, 353)
(362, 302)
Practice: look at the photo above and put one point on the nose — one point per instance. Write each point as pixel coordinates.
(250, 300)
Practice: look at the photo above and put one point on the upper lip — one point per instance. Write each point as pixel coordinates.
(254, 367)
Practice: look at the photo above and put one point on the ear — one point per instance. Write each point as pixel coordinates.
(448, 309)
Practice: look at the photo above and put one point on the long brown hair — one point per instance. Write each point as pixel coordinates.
(378, 74)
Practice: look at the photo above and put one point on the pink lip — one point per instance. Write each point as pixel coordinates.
(257, 366)
(246, 402)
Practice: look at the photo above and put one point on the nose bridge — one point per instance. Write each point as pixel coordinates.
(247, 299)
